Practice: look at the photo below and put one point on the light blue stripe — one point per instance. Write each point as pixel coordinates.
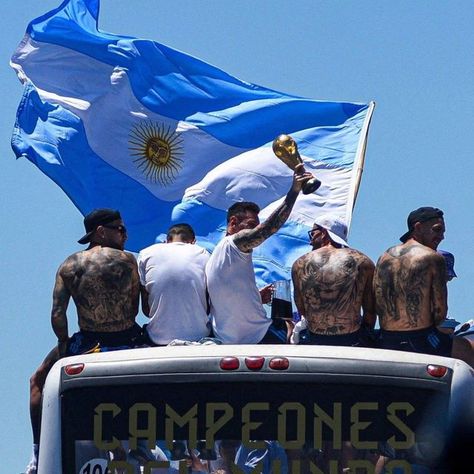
(53, 138)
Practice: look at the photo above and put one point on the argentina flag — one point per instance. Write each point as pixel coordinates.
(134, 125)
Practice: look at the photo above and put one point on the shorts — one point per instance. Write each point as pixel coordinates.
(83, 342)
(359, 338)
(424, 341)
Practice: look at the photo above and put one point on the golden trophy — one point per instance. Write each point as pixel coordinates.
(286, 150)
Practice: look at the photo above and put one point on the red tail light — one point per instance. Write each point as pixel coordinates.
(74, 369)
(254, 363)
(436, 370)
(229, 363)
(279, 363)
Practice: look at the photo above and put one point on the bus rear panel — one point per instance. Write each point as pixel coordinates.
(259, 409)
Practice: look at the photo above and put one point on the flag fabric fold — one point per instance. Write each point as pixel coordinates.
(132, 124)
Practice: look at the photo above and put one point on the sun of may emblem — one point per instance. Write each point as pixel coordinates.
(157, 150)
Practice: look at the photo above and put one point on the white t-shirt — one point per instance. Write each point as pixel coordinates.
(174, 276)
(238, 316)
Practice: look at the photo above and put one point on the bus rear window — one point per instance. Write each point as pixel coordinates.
(249, 427)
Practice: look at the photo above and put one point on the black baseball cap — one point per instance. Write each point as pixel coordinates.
(96, 218)
(422, 214)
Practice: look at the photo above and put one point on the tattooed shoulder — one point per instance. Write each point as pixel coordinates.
(365, 263)
(116, 255)
(131, 258)
(394, 251)
(69, 265)
(360, 257)
(300, 262)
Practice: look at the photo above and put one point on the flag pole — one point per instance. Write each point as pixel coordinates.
(362, 148)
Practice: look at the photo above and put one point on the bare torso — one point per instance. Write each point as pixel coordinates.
(104, 285)
(410, 288)
(331, 286)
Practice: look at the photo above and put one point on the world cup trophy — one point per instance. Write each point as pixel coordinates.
(286, 150)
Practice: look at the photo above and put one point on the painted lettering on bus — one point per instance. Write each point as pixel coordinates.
(218, 415)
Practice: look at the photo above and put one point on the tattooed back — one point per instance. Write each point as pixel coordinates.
(104, 285)
(410, 288)
(331, 285)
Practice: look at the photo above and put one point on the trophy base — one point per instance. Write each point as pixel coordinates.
(310, 186)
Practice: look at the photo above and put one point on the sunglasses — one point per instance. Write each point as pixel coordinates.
(312, 231)
(121, 228)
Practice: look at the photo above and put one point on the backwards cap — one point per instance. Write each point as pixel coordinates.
(421, 214)
(95, 219)
(335, 226)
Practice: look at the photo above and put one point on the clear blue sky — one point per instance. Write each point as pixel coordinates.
(413, 57)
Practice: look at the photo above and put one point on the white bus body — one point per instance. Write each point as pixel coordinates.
(296, 397)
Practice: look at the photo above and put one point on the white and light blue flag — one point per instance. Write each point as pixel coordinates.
(134, 125)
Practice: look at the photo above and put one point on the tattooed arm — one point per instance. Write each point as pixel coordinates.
(384, 291)
(439, 292)
(296, 270)
(135, 285)
(248, 239)
(368, 298)
(61, 297)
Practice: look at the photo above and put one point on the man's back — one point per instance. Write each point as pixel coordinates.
(103, 283)
(331, 284)
(410, 289)
(174, 278)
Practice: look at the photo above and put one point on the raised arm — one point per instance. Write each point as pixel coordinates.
(61, 296)
(248, 239)
(439, 292)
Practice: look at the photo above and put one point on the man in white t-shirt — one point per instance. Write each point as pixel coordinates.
(173, 283)
(238, 316)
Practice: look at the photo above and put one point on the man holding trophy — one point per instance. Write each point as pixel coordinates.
(238, 316)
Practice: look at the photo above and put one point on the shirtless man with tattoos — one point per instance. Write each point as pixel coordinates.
(104, 285)
(238, 316)
(411, 293)
(332, 285)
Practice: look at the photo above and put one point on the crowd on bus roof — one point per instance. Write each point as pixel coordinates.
(189, 295)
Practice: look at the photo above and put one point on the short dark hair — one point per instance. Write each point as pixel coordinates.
(185, 231)
(240, 208)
